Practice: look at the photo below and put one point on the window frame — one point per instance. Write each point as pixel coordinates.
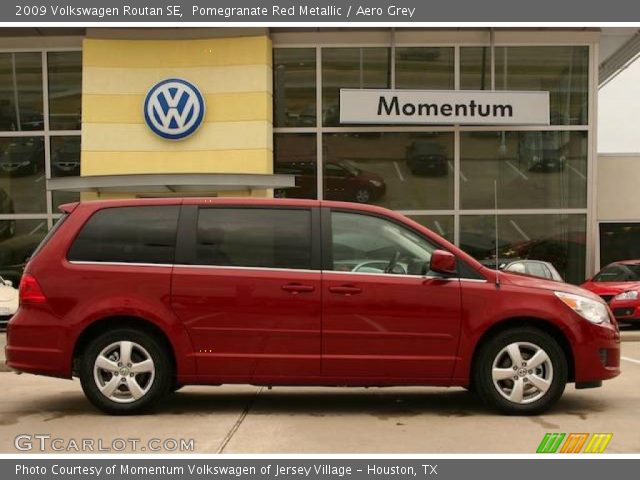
(49, 44)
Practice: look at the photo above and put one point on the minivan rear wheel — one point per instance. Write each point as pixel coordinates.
(521, 371)
(125, 371)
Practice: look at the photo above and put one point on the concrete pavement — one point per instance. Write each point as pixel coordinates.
(245, 419)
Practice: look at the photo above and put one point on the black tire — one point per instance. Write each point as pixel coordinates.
(176, 388)
(490, 352)
(158, 387)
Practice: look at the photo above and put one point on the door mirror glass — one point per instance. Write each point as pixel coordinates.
(443, 262)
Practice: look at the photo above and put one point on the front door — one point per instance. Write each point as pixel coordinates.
(248, 292)
(383, 318)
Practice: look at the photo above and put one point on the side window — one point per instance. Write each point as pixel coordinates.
(254, 237)
(368, 244)
(128, 235)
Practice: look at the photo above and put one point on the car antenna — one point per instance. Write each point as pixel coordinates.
(495, 210)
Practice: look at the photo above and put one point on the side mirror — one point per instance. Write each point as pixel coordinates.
(8, 283)
(443, 262)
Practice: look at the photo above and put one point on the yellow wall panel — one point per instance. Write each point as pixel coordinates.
(223, 107)
(223, 161)
(210, 52)
(127, 137)
(233, 74)
(120, 81)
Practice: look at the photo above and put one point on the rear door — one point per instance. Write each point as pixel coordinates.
(247, 286)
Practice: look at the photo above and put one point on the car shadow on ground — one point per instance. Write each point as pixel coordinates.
(383, 404)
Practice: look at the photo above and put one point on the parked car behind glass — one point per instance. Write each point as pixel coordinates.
(534, 268)
(619, 284)
(8, 301)
(427, 158)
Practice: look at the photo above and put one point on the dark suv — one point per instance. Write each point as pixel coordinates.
(140, 297)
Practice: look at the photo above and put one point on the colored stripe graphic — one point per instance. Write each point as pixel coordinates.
(574, 443)
(550, 442)
(598, 442)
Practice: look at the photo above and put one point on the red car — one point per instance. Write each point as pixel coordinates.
(619, 284)
(139, 297)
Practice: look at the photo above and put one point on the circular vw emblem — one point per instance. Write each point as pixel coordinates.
(174, 108)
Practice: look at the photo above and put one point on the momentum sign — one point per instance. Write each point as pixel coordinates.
(468, 107)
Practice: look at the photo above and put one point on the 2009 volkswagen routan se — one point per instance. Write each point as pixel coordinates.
(140, 297)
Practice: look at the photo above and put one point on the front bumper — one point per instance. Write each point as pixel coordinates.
(597, 356)
(626, 311)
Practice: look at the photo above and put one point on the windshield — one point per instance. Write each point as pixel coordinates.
(349, 167)
(619, 273)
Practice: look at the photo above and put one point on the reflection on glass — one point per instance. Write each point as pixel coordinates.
(294, 87)
(17, 244)
(533, 169)
(440, 224)
(619, 241)
(65, 162)
(22, 175)
(21, 91)
(395, 170)
(475, 68)
(557, 239)
(425, 68)
(350, 68)
(65, 90)
(563, 71)
(295, 154)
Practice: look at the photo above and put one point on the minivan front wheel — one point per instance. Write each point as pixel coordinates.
(125, 371)
(522, 371)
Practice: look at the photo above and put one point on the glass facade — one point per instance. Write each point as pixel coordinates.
(40, 115)
(443, 176)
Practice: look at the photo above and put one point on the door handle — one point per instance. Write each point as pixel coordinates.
(296, 288)
(345, 290)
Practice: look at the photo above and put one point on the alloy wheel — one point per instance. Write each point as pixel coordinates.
(522, 372)
(124, 372)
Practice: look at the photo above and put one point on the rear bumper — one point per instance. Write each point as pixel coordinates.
(37, 345)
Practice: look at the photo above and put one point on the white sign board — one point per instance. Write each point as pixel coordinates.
(467, 107)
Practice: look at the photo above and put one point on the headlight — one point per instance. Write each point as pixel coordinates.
(592, 310)
(376, 183)
(630, 295)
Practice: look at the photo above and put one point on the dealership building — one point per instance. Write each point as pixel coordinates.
(453, 127)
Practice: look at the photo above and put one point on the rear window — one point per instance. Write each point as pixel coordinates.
(128, 235)
(254, 237)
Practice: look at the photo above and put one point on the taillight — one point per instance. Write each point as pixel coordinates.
(30, 291)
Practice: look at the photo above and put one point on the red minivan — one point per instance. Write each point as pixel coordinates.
(140, 297)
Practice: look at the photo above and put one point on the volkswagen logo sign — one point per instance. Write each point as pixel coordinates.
(174, 108)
